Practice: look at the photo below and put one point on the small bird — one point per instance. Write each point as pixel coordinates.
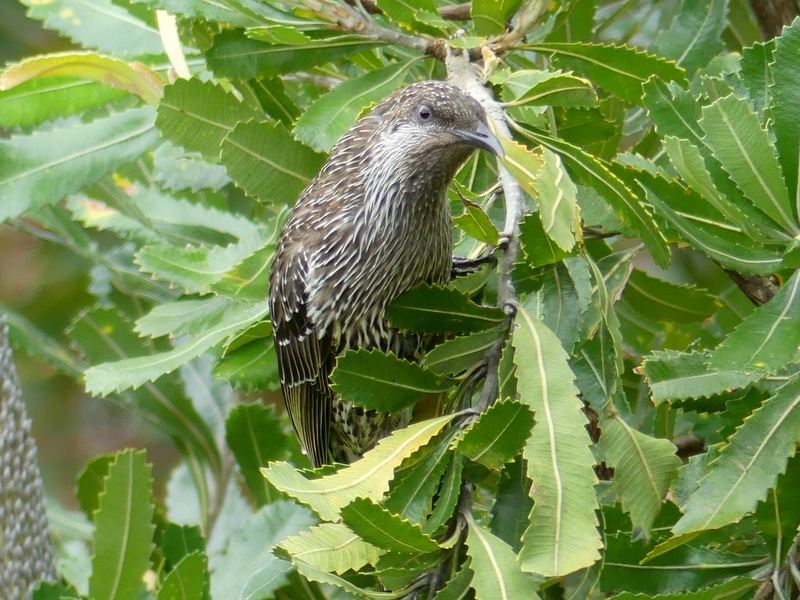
(373, 223)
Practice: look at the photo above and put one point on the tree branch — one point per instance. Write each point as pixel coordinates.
(462, 74)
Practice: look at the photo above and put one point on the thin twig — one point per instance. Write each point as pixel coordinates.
(462, 74)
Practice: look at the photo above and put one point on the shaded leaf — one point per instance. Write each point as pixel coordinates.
(498, 434)
(386, 530)
(331, 547)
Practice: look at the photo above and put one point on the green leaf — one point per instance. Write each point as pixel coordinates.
(40, 100)
(123, 535)
(537, 247)
(381, 528)
(253, 366)
(236, 56)
(556, 196)
(197, 268)
(490, 16)
(748, 465)
(562, 300)
(109, 377)
(448, 495)
(548, 88)
(314, 574)
(331, 547)
(562, 536)
(737, 140)
(272, 96)
(199, 114)
(434, 309)
(379, 381)
(188, 580)
(785, 89)
(248, 280)
(185, 316)
(366, 478)
(731, 590)
(179, 541)
(248, 568)
(256, 436)
(591, 171)
(332, 114)
(91, 480)
(24, 334)
(498, 434)
(42, 168)
(643, 467)
(512, 504)
(416, 15)
(134, 78)
(100, 24)
(461, 353)
(666, 301)
(778, 516)
(267, 163)
(620, 70)
(676, 376)
(101, 334)
(476, 224)
(497, 572)
(694, 35)
(768, 338)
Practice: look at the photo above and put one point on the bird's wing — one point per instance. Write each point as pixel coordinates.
(304, 357)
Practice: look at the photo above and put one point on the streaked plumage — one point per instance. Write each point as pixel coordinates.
(374, 222)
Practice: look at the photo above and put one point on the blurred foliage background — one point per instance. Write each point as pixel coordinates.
(48, 284)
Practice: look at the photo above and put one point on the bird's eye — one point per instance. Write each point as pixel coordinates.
(425, 113)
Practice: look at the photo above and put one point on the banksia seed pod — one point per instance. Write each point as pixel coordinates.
(26, 550)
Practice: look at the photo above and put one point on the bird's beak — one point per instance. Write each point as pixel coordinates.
(482, 137)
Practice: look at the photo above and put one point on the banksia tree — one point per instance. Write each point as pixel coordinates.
(615, 398)
(26, 550)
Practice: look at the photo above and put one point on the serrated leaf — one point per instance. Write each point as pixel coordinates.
(379, 381)
(548, 88)
(40, 169)
(498, 434)
(676, 376)
(694, 35)
(185, 316)
(100, 24)
(668, 301)
(748, 465)
(785, 90)
(253, 366)
(386, 530)
(333, 113)
(476, 224)
(134, 78)
(248, 280)
(497, 573)
(314, 574)
(272, 97)
(102, 334)
(331, 547)
(537, 247)
(768, 338)
(778, 516)
(643, 467)
(460, 353)
(417, 15)
(620, 70)
(188, 580)
(109, 377)
(448, 495)
(737, 140)
(433, 309)
(563, 533)
(556, 196)
(417, 482)
(730, 590)
(512, 504)
(248, 568)
(236, 56)
(123, 535)
(267, 163)
(591, 171)
(89, 485)
(199, 114)
(255, 435)
(368, 477)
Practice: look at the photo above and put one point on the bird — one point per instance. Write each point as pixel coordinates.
(373, 223)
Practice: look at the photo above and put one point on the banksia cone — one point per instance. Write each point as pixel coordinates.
(26, 551)
(373, 223)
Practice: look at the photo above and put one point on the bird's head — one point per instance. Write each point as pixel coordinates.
(434, 121)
